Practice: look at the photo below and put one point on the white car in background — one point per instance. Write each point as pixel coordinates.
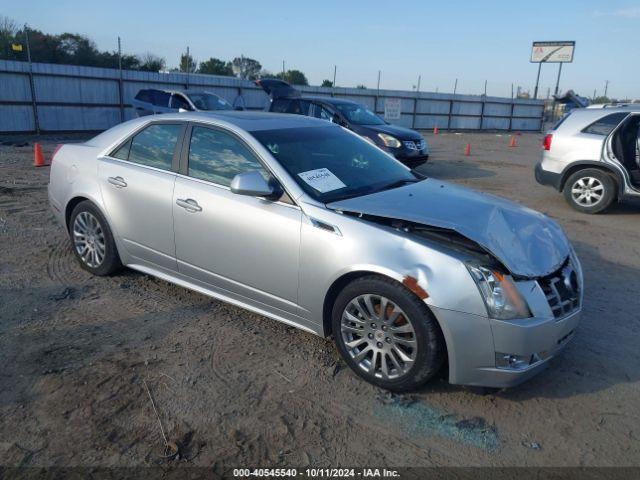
(592, 155)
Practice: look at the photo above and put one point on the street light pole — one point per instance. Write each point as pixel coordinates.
(558, 79)
(34, 104)
(120, 80)
(535, 91)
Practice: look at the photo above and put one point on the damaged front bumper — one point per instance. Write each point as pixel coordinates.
(498, 353)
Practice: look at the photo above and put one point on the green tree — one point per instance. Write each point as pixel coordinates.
(361, 86)
(294, 77)
(215, 66)
(245, 67)
(151, 63)
(188, 64)
(327, 83)
(601, 99)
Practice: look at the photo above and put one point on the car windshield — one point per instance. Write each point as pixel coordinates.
(209, 101)
(331, 164)
(358, 114)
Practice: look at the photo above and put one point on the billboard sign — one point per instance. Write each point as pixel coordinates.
(392, 108)
(552, 52)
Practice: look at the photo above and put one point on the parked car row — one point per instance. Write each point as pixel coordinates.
(405, 144)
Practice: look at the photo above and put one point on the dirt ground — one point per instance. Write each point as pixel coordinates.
(237, 390)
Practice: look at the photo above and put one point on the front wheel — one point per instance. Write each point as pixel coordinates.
(590, 190)
(386, 334)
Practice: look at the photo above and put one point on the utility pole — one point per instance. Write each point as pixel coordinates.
(283, 69)
(34, 104)
(120, 79)
(188, 66)
(335, 69)
(606, 87)
(418, 87)
(512, 91)
(375, 107)
(455, 86)
(485, 88)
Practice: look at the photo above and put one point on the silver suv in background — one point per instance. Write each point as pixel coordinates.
(592, 155)
(151, 101)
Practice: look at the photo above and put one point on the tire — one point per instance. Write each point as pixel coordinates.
(590, 190)
(95, 250)
(387, 341)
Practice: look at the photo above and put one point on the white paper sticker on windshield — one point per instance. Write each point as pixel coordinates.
(322, 180)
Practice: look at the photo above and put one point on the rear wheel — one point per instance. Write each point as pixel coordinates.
(92, 240)
(386, 334)
(590, 190)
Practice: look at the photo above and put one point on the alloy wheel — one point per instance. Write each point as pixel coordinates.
(88, 239)
(379, 336)
(587, 191)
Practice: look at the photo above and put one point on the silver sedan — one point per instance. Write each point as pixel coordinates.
(303, 221)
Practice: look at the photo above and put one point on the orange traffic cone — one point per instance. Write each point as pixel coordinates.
(435, 130)
(38, 158)
(512, 141)
(467, 150)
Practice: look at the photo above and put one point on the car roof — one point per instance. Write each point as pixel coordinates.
(580, 118)
(329, 100)
(244, 120)
(173, 90)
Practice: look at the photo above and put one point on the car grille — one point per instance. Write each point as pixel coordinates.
(417, 145)
(562, 289)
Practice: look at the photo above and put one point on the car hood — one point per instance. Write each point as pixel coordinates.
(400, 132)
(527, 242)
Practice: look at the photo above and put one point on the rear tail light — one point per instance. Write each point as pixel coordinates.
(58, 147)
(546, 143)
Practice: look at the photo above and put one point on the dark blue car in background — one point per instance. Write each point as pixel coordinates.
(405, 144)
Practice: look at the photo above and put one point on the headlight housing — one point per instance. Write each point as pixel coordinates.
(389, 141)
(499, 293)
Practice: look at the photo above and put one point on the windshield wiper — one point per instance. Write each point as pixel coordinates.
(398, 183)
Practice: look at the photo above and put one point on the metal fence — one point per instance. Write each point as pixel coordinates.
(66, 98)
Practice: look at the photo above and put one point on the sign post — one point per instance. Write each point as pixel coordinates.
(551, 52)
(392, 108)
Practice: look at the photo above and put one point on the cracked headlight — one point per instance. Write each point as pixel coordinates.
(499, 293)
(389, 141)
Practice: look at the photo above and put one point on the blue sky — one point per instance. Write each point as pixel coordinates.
(441, 41)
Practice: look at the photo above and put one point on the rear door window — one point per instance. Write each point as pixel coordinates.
(280, 105)
(178, 101)
(153, 147)
(144, 96)
(161, 99)
(606, 124)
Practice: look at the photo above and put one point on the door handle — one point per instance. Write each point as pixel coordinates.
(189, 204)
(117, 181)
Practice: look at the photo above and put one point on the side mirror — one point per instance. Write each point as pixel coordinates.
(253, 184)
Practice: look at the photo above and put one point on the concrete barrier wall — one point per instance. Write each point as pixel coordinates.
(77, 98)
